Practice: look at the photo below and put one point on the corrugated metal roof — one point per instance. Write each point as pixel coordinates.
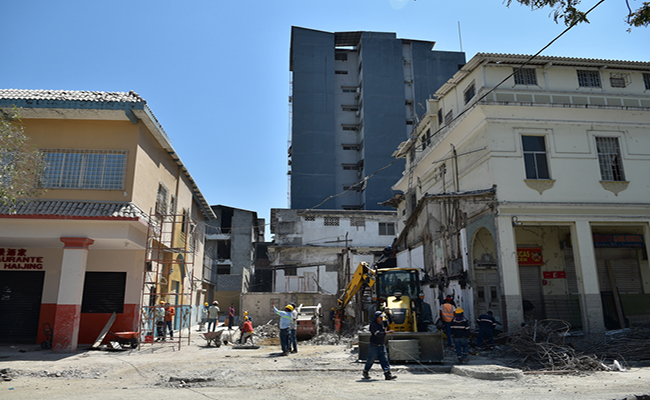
(71, 95)
(81, 209)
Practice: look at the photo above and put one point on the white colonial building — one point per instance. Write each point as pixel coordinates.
(527, 182)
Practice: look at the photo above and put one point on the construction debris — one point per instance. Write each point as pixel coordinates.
(547, 345)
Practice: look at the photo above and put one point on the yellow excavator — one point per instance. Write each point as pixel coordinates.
(396, 291)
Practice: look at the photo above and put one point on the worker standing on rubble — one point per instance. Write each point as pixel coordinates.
(460, 331)
(293, 339)
(377, 348)
(486, 325)
(285, 322)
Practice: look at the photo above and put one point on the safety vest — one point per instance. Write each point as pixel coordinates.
(447, 312)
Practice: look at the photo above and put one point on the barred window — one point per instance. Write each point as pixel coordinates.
(358, 221)
(469, 92)
(589, 78)
(609, 159)
(84, 169)
(331, 221)
(161, 199)
(310, 218)
(525, 76)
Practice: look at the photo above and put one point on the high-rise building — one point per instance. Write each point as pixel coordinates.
(355, 97)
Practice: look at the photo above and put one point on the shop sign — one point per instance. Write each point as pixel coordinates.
(554, 275)
(530, 256)
(19, 259)
(630, 241)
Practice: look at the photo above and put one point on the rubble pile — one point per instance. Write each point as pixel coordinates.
(542, 345)
(268, 330)
(632, 344)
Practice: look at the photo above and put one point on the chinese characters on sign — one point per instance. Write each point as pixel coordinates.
(530, 256)
(18, 259)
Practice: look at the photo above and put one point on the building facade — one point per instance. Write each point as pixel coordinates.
(317, 251)
(230, 243)
(120, 213)
(525, 190)
(355, 97)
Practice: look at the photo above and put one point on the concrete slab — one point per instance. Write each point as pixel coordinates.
(487, 372)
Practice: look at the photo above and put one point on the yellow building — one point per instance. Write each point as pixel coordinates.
(118, 229)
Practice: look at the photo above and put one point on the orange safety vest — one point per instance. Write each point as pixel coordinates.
(447, 312)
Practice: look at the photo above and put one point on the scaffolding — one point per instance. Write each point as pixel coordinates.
(168, 284)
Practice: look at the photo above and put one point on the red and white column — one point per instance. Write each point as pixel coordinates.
(71, 285)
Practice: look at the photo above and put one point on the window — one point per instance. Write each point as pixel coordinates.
(440, 116)
(290, 271)
(646, 81)
(172, 205)
(525, 76)
(84, 169)
(161, 199)
(350, 146)
(337, 72)
(609, 159)
(449, 117)
(341, 56)
(619, 80)
(426, 139)
(351, 167)
(350, 108)
(349, 89)
(588, 78)
(469, 92)
(358, 221)
(103, 292)
(349, 127)
(535, 157)
(310, 218)
(387, 229)
(223, 269)
(331, 221)
(353, 188)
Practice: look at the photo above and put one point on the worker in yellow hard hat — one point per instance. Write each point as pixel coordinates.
(285, 323)
(460, 331)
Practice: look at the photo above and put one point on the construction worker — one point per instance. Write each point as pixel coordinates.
(486, 325)
(204, 316)
(169, 319)
(460, 331)
(446, 315)
(285, 323)
(159, 315)
(293, 339)
(247, 331)
(213, 316)
(377, 349)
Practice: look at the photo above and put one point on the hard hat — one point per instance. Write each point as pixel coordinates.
(215, 302)
(458, 310)
(162, 301)
(206, 304)
(289, 307)
(246, 312)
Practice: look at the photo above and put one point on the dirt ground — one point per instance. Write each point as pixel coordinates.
(196, 371)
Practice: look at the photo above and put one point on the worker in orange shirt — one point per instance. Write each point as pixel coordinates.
(169, 319)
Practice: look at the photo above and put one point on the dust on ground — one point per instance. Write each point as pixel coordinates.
(326, 366)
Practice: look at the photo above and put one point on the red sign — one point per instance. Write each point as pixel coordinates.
(530, 256)
(554, 275)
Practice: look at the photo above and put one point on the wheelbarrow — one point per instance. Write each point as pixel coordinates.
(212, 337)
(127, 338)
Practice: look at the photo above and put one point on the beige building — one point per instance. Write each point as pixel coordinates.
(527, 183)
(119, 202)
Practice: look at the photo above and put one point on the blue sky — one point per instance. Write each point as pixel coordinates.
(216, 73)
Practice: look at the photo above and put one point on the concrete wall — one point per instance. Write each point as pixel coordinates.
(260, 305)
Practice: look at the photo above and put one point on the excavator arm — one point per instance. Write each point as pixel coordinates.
(364, 275)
